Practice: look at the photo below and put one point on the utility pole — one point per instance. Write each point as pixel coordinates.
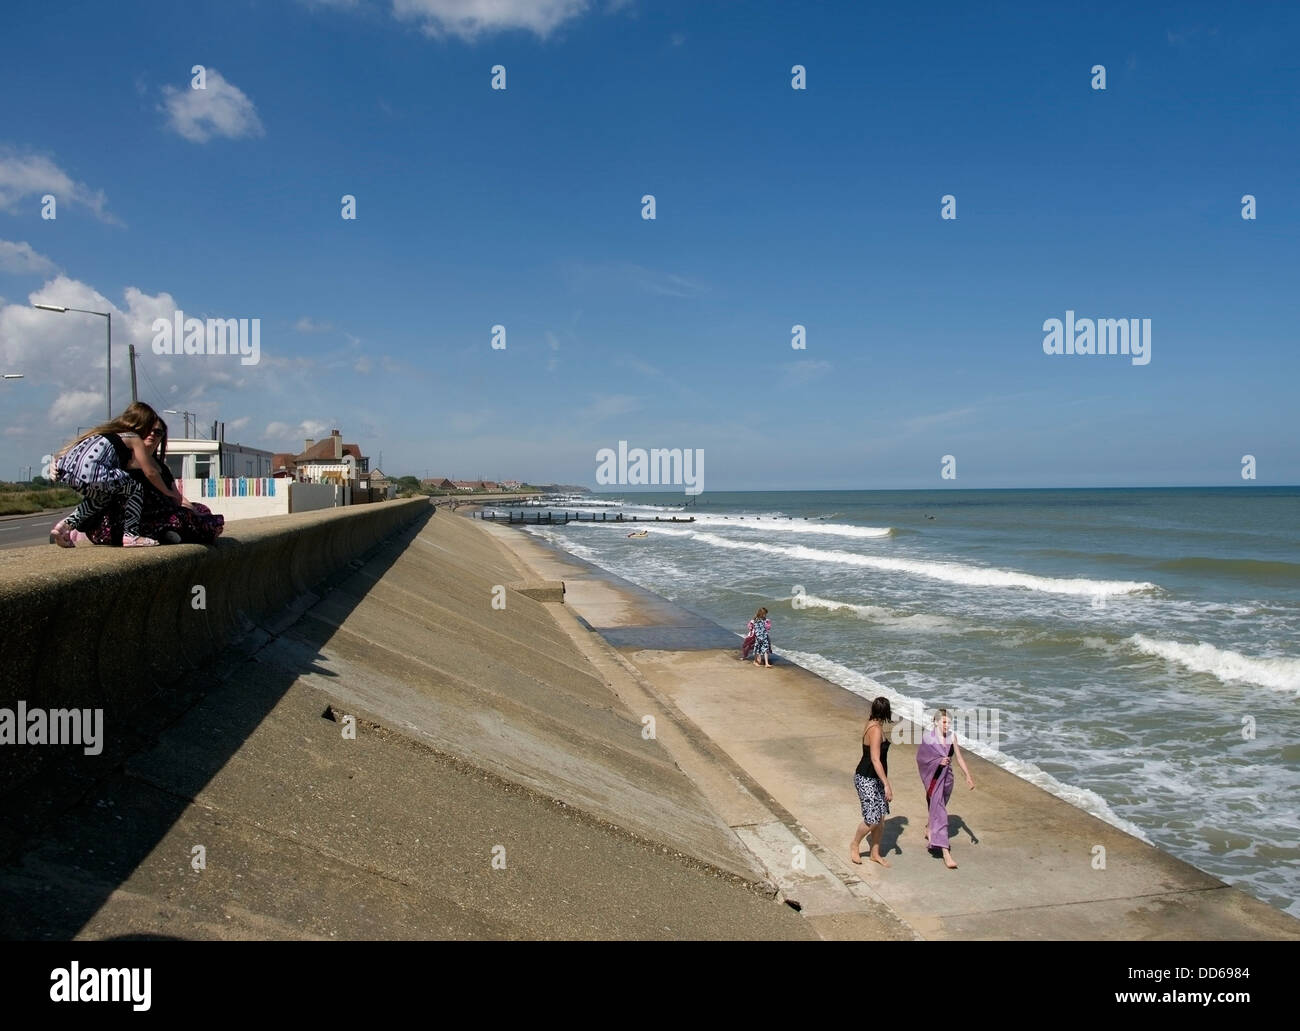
(134, 396)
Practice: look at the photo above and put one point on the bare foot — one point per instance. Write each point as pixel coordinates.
(877, 858)
(948, 860)
(855, 855)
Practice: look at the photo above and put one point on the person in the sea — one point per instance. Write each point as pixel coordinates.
(871, 778)
(760, 626)
(934, 758)
(161, 517)
(96, 465)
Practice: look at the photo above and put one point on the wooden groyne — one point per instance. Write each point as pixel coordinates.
(561, 518)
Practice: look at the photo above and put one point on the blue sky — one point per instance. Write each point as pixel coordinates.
(774, 206)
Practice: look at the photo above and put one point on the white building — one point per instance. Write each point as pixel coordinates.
(194, 459)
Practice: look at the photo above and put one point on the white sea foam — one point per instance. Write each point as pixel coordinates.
(763, 524)
(862, 685)
(883, 616)
(949, 572)
(1279, 673)
(776, 524)
(563, 543)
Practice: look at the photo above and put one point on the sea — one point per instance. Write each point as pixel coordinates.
(1134, 651)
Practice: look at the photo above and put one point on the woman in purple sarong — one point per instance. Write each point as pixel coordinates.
(934, 758)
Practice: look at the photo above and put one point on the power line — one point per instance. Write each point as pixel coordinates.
(149, 379)
(158, 393)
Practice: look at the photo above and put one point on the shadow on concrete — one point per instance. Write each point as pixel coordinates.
(895, 828)
(72, 853)
(956, 825)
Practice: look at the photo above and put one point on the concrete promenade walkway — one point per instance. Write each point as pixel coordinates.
(774, 752)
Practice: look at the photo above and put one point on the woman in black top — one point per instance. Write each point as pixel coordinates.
(872, 781)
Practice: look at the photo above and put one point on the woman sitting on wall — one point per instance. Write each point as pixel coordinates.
(162, 518)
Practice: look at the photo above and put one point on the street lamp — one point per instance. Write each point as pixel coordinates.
(173, 411)
(109, 364)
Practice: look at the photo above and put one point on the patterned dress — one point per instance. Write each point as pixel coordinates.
(161, 519)
(762, 643)
(96, 469)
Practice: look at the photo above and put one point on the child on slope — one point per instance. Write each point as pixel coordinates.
(760, 626)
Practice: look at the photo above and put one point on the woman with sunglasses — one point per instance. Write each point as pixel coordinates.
(161, 517)
(97, 466)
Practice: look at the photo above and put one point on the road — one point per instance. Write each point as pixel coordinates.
(24, 531)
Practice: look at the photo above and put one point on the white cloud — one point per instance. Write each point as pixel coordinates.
(606, 406)
(306, 324)
(77, 406)
(924, 422)
(470, 19)
(806, 371)
(238, 424)
(282, 436)
(222, 109)
(63, 354)
(28, 177)
(639, 367)
(20, 258)
(362, 366)
(604, 276)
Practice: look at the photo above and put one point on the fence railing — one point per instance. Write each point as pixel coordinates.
(239, 487)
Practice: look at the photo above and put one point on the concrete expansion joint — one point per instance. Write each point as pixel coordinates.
(1169, 893)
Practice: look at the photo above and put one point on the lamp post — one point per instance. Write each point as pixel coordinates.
(174, 411)
(109, 363)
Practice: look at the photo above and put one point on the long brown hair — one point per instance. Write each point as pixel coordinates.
(138, 418)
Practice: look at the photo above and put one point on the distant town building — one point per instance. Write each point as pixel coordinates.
(332, 461)
(284, 465)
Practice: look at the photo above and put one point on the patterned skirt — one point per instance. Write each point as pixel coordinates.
(871, 793)
(161, 515)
